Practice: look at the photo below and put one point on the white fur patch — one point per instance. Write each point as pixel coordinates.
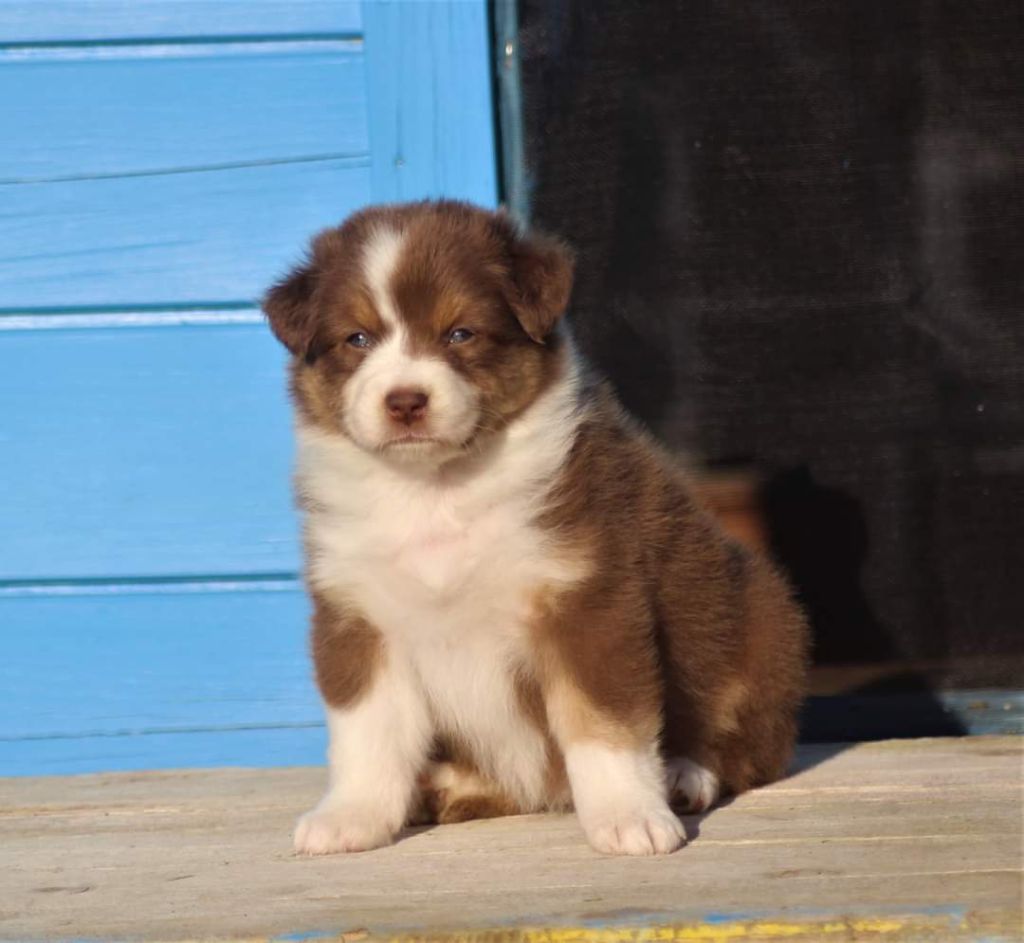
(380, 258)
(690, 784)
(619, 796)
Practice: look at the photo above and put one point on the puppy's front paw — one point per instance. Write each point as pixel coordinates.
(635, 831)
(329, 829)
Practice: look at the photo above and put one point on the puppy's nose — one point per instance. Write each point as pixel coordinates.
(406, 406)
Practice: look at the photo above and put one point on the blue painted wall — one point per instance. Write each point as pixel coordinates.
(161, 163)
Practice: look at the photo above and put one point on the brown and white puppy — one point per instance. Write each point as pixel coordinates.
(517, 604)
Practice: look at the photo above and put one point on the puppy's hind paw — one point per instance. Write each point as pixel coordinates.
(691, 787)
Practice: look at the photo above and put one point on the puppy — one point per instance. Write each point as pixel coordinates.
(517, 605)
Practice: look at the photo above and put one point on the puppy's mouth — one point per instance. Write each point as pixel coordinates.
(412, 439)
(421, 447)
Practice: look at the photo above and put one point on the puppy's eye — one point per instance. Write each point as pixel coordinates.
(460, 335)
(360, 339)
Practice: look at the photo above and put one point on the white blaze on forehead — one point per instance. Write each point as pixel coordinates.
(390, 364)
(380, 258)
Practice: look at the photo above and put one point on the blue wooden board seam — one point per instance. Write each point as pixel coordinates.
(98, 20)
(256, 748)
(191, 584)
(200, 48)
(244, 314)
(352, 159)
(284, 582)
(162, 731)
(344, 36)
(182, 308)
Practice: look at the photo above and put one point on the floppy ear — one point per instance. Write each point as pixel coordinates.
(541, 272)
(290, 309)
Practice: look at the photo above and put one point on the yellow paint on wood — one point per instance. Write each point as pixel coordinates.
(888, 929)
(694, 933)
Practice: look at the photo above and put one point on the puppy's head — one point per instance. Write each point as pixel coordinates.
(418, 329)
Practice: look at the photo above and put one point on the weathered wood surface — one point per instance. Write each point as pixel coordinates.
(888, 841)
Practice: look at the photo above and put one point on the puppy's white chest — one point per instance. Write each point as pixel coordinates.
(425, 561)
(436, 552)
(451, 556)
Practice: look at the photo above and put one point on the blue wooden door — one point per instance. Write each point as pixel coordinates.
(160, 163)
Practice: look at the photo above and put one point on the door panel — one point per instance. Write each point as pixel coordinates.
(143, 110)
(172, 239)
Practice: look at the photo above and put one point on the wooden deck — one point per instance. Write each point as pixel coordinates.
(902, 840)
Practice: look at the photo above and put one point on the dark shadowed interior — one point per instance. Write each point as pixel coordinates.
(801, 253)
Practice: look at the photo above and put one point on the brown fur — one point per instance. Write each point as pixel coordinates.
(457, 792)
(346, 652)
(531, 702)
(704, 638)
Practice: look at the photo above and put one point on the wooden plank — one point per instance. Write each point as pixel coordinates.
(138, 677)
(70, 21)
(179, 108)
(429, 85)
(901, 841)
(176, 238)
(145, 452)
(205, 659)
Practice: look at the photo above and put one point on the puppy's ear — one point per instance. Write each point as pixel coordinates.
(541, 269)
(291, 311)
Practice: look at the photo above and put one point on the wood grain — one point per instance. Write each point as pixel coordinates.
(889, 841)
(178, 108)
(219, 235)
(428, 78)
